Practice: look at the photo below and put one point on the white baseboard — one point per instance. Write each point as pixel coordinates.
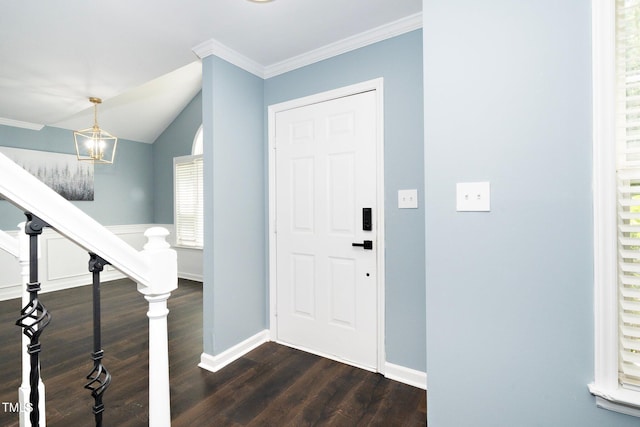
(211, 363)
(405, 375)
(219, 361)
(190, 276)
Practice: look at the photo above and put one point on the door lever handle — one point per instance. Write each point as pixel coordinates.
(367, 244)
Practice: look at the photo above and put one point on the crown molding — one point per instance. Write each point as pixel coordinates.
(392, 29)
(20, 124)
(214, 47)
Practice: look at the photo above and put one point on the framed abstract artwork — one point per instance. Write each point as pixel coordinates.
(70, 178)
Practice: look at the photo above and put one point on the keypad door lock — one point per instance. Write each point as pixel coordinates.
(366, 219)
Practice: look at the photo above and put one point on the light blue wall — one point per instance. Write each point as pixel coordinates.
(234, 239)
(399, 62)
(123, 191)
(176, 140)
(510, 292)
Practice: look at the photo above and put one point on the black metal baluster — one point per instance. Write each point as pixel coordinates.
(99, 378)
(34, 317)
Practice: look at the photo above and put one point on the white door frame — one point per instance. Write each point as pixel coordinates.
(377, 86)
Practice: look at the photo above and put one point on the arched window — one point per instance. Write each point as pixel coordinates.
(197, 142)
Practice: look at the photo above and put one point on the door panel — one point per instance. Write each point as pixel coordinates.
(342, 292)
(341, 193)
(303, 194)
(303, 281)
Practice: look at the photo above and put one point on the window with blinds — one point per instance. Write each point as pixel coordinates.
(188, 194)
(628, 175)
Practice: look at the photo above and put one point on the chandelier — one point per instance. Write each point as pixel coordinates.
(93, 144)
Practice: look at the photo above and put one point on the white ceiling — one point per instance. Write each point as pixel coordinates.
(138, 56)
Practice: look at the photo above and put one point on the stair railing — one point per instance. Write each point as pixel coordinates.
(154, 269)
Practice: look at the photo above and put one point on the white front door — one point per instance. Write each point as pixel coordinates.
(325, 178)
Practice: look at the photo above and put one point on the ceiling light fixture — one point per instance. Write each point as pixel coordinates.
(95, 145)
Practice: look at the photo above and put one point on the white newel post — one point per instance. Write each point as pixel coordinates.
(163, 265)
(24, 390)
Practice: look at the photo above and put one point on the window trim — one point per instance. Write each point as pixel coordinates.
(609, 394)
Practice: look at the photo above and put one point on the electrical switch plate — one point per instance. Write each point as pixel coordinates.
(473, 197)
(407, 199)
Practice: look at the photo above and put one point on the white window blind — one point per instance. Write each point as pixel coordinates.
(628, 175)
(188, 195)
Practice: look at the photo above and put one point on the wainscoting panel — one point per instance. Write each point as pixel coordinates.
(189, 263)
(9, 273)
(64, 265)
(74, 264)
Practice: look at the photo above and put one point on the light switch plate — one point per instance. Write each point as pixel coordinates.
(407, 199)
(473, 197)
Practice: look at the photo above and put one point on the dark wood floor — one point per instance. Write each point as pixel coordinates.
(271, 386)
